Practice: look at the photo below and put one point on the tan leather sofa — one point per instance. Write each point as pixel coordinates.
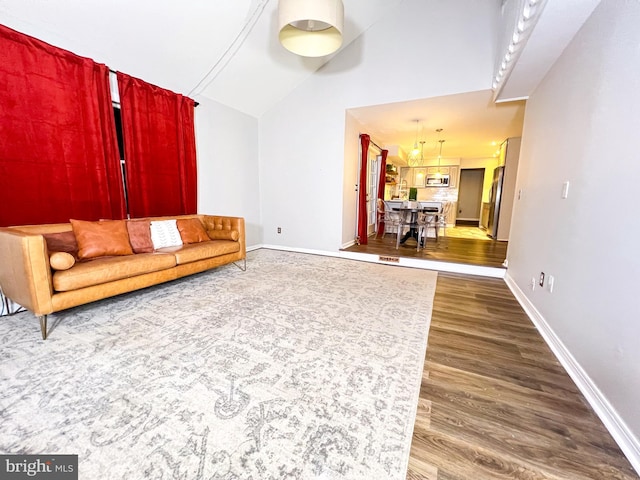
(26, 276)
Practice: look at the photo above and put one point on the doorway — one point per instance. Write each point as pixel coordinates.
(373, 173)
(470, 196)
(374, 160)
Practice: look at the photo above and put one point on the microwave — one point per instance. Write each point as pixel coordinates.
(434, 180)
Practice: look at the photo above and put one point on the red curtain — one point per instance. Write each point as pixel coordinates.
(383, 174)
(160, 149)
(58, 149)
(363, 219)
(381, 184)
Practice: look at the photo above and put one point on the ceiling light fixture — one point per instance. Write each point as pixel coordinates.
(311, 28)
(440, 154)
(415, 157)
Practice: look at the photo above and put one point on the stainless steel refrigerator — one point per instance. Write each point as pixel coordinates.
(494, 201)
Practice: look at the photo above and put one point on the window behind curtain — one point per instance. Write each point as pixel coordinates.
(159, 146)
(58, 148)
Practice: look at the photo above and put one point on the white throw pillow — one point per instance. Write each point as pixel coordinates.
(165, 233)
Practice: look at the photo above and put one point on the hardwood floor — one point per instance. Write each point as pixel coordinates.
(495, 403)
(489, 253)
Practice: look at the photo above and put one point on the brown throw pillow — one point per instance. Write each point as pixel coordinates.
(98, 239)
(224, 235)
(62, 242)
(61, 260)
(191, 230)
(140, 235)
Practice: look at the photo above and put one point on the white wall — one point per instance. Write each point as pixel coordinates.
(353, 129)
(227, 148)
(399, 59)
(581, 125)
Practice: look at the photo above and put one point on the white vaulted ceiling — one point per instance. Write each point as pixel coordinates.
(226, 50)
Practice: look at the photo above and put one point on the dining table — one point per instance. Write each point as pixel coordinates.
(409, 217)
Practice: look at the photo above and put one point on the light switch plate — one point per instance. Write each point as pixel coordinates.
(565, 189)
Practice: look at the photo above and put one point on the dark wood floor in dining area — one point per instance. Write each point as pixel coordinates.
(489, 253)
(495, 403)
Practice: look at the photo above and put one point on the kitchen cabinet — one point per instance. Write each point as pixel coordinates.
(413, 176)
(454, 173)
(418, 178)
(443, 170)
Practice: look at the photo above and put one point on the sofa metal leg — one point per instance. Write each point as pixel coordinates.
(244, 265)
(43, 326)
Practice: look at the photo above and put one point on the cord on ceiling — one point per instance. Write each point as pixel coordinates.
(219, 66)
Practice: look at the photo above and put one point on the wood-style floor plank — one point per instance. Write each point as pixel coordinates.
(489, 253)
(495, 403)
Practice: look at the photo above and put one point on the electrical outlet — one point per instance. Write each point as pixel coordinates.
(279, 230)
(541, 279)
(550, 282)
(533, 283)
(565, 189)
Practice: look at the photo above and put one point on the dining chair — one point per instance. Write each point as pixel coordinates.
(389, 217)
(382, 225)
(425, 221)
(441, 223)
(407, 220)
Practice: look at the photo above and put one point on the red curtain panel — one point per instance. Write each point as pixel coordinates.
(58, 146)
(159, 149)
(381, 184)
(362, 190)
(383, 174)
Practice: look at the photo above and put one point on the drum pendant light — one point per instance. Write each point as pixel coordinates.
(311, 28)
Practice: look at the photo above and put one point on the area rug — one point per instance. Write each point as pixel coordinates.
(302, 367)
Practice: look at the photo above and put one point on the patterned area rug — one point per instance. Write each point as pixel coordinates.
(302, 367)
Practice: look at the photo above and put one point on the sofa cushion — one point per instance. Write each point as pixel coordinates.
(203, 250)
(191, 230)
(61, 260)
(103, 238)
(140, 235)
(107, 269)
(224, 235)
(62, 242)
(164, 233)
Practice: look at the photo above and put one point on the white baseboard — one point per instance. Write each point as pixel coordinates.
(348, 244)
(616, 426)
(301, 250)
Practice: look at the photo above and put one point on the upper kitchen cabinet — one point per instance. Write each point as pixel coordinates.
(454, 173)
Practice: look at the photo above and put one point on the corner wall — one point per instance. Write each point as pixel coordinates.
(581, 126)
(228, 177)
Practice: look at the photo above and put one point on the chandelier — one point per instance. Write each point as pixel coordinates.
(416, 156)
